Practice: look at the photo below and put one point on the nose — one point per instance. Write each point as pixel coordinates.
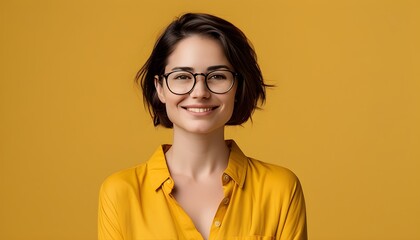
(200, 89)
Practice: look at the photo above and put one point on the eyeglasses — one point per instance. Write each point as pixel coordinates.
(183, 82)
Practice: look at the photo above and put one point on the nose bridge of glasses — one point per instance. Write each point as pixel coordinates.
(198, 74)
(202, 83)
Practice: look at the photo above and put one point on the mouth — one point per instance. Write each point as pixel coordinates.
(199, 109)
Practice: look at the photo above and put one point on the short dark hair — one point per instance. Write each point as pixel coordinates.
(238, 51)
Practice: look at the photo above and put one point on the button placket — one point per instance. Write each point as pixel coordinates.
(168, 185)
(223, 206)
(225, 179)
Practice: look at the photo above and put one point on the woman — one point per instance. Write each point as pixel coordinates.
(201, 76)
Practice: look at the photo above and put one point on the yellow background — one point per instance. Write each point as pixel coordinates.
(344, 116)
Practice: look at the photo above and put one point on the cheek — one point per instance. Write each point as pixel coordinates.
(172, 102)
(230, 104)
(232, 101)
(170, 111)
(233, 97)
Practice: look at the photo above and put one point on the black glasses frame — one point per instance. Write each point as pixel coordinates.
(205, 75)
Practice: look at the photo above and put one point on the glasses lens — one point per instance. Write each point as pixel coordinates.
(180, 82)
(220, 81)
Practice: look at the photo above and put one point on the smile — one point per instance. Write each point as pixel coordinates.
(199, 110)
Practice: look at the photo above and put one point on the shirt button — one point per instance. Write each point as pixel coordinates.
(217, 223)
(226, 201)
(226, 178)
(169, 181)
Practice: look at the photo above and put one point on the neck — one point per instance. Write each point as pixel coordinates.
(197, 155)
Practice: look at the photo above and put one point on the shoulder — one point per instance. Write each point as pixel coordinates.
(123, 181)
(272, 176)
(256, 170)
(144, 177)
(269, 170)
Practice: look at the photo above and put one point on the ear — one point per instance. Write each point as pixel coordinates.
(159, 89)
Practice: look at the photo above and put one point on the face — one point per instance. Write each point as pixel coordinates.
(199, 111)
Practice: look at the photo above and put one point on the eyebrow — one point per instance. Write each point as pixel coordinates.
(211, 68)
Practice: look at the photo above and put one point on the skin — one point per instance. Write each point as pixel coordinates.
(199, 154)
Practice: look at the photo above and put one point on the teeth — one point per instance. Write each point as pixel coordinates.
(199, 110)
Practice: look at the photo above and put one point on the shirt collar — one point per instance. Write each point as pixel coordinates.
(157, 168)
(236, 168)
(159, 171)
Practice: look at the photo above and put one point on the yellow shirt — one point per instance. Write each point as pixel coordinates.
(261, 201)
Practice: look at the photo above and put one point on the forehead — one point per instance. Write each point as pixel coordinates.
(197, 52)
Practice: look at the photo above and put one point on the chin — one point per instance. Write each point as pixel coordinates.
(201, 128)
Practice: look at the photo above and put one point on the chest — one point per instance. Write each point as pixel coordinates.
(200, 201)
(192, 212)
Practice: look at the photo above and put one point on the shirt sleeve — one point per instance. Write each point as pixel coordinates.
(294, 227)
(108, 223)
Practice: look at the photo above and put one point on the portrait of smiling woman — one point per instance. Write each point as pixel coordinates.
(201, 76)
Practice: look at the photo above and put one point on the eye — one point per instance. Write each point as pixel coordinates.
(217, 76)
(181, 76)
